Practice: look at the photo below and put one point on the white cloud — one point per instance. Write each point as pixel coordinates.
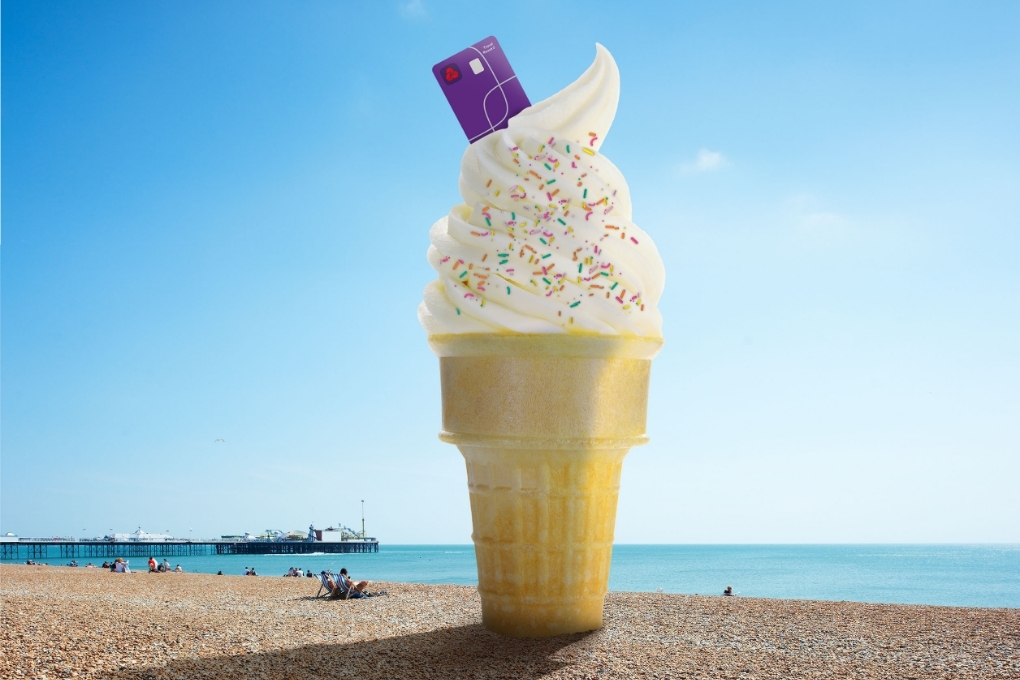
(814, 225)
(415, 9)
(707, 161)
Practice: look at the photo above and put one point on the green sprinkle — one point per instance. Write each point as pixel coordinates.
(502, 255)
(488, 222)
(568, 148)
(604, 273)
(576, 303)
(542, 240)
(548, 167)
(463, 274)
(552, 181)
(458, 311)
(547, 280)
(508, 290)
(560, 220)
(585, 194)
(579, 268)
(547, 255)
(615, 284)
(513, 217)
(503, 261)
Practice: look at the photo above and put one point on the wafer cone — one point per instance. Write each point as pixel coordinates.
(543, 422)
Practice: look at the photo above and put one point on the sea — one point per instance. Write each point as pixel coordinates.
(952, 575)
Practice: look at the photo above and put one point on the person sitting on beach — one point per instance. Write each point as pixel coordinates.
(253, 572)
(358, 587)
(728, 591)
(106, 565)
(118, 566)
(152, 564)
(178, 569)
(310, 574)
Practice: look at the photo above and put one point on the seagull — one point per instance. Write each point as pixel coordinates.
(221, 440)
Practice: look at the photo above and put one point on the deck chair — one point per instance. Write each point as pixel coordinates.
(323, 585)
(344, 591)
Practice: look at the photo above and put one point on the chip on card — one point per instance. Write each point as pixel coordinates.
(482, 88)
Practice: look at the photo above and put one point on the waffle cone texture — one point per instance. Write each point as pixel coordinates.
(543, 422)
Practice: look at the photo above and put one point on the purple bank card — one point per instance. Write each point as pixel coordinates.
(481, 88)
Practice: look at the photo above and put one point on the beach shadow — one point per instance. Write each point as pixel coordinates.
(462, 652)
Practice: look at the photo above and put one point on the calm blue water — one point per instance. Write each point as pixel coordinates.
(962, 575)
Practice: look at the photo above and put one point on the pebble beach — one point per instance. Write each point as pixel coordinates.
(60, 622)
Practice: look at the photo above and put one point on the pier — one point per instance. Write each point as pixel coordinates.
(41, 550)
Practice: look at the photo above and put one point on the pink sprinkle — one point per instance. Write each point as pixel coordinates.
(549, 293)
(467, 295)
(510, 270)
(573, 164)
(620, 300)
(633, 239)
(444, 259)
(551, 140)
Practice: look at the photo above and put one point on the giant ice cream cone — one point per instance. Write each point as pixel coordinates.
(544, 422)
(545, 320)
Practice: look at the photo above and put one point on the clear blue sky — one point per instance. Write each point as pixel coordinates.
(215, 218)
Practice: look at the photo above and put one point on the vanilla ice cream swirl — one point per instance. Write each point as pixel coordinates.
(544, 241)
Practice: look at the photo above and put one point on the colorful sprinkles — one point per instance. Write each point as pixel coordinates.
(580, 212)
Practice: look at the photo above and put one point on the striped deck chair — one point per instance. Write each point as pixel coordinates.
(344, 591)
(324, 585)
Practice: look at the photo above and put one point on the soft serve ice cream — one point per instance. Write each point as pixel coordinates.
(544, 241)
(545, 321)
